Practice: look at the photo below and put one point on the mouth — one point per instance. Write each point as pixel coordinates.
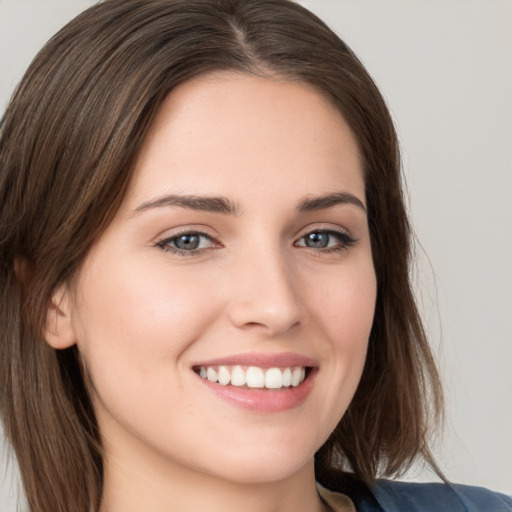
(254, 377)
(261, 383)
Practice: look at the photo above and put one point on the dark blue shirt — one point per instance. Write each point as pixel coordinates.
(389, 496)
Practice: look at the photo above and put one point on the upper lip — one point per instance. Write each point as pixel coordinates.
(262, 360)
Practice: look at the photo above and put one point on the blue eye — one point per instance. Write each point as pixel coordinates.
(188, 242)
(317, 240)
(326, 240)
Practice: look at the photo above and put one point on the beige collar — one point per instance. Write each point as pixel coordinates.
(338, 502)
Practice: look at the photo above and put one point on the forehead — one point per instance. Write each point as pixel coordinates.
(231, 131)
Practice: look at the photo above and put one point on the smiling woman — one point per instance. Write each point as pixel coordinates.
(269, 263)
(204, 267)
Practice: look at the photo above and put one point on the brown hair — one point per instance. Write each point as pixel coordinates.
(67, 144)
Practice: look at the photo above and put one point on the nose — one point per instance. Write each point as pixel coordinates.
(265, 293)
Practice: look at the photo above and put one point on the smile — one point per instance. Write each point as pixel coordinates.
(260, 382)
(253, 377)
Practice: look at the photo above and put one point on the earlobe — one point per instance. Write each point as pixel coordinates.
(58, 328)
(59, 331)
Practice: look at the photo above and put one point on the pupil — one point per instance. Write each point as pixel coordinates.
(317, 240)
(189, 242)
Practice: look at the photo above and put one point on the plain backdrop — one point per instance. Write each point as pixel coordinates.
(445, 68)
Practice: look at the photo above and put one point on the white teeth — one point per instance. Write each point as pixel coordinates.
(273, 378)
(224, 376)
(296, 376)
(211, 375)
(254, 376)
(237, 376)
(287, 377)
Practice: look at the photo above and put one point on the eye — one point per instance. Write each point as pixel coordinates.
(187, 242)
(326, 240)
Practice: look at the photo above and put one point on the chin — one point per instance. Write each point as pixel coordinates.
(263, 466)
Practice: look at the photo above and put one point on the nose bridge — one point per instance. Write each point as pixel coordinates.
(265, 289)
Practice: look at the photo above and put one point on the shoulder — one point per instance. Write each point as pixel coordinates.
(388, 496)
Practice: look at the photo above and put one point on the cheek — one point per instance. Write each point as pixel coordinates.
(135, 325)
(345, 306)
(344, 313)
(135, 318)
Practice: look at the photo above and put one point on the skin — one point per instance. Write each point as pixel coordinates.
(143, 315)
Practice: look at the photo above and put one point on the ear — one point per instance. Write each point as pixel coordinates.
(59, 331)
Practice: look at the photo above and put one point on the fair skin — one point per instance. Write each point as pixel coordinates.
(265, 277)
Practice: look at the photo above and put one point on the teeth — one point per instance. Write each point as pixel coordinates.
(287, 377)
(224, 376)
(254, 377)
(238, 376)
(296, 376)
(273, 378)
(211, 375)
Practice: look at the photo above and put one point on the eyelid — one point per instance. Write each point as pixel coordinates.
(346, 239)
(163, 242)
(185, 229)
(343, 235)
(324, 228)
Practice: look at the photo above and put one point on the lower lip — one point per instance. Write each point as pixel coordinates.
(264, 400)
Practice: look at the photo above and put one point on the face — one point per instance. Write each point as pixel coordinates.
(224, 315)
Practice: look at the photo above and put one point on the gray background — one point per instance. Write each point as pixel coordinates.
(445, 68)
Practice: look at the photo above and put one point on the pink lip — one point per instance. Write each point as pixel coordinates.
(280, 360)
(263, 400)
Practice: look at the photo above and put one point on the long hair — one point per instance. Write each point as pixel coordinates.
(68, 141)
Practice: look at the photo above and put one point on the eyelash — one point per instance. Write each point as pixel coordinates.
(345, 241)
(165, 244)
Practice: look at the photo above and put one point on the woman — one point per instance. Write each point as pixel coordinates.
(205, 271)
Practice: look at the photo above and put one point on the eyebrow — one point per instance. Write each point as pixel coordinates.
(328, 201)
(222, 205)
(201, 203)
